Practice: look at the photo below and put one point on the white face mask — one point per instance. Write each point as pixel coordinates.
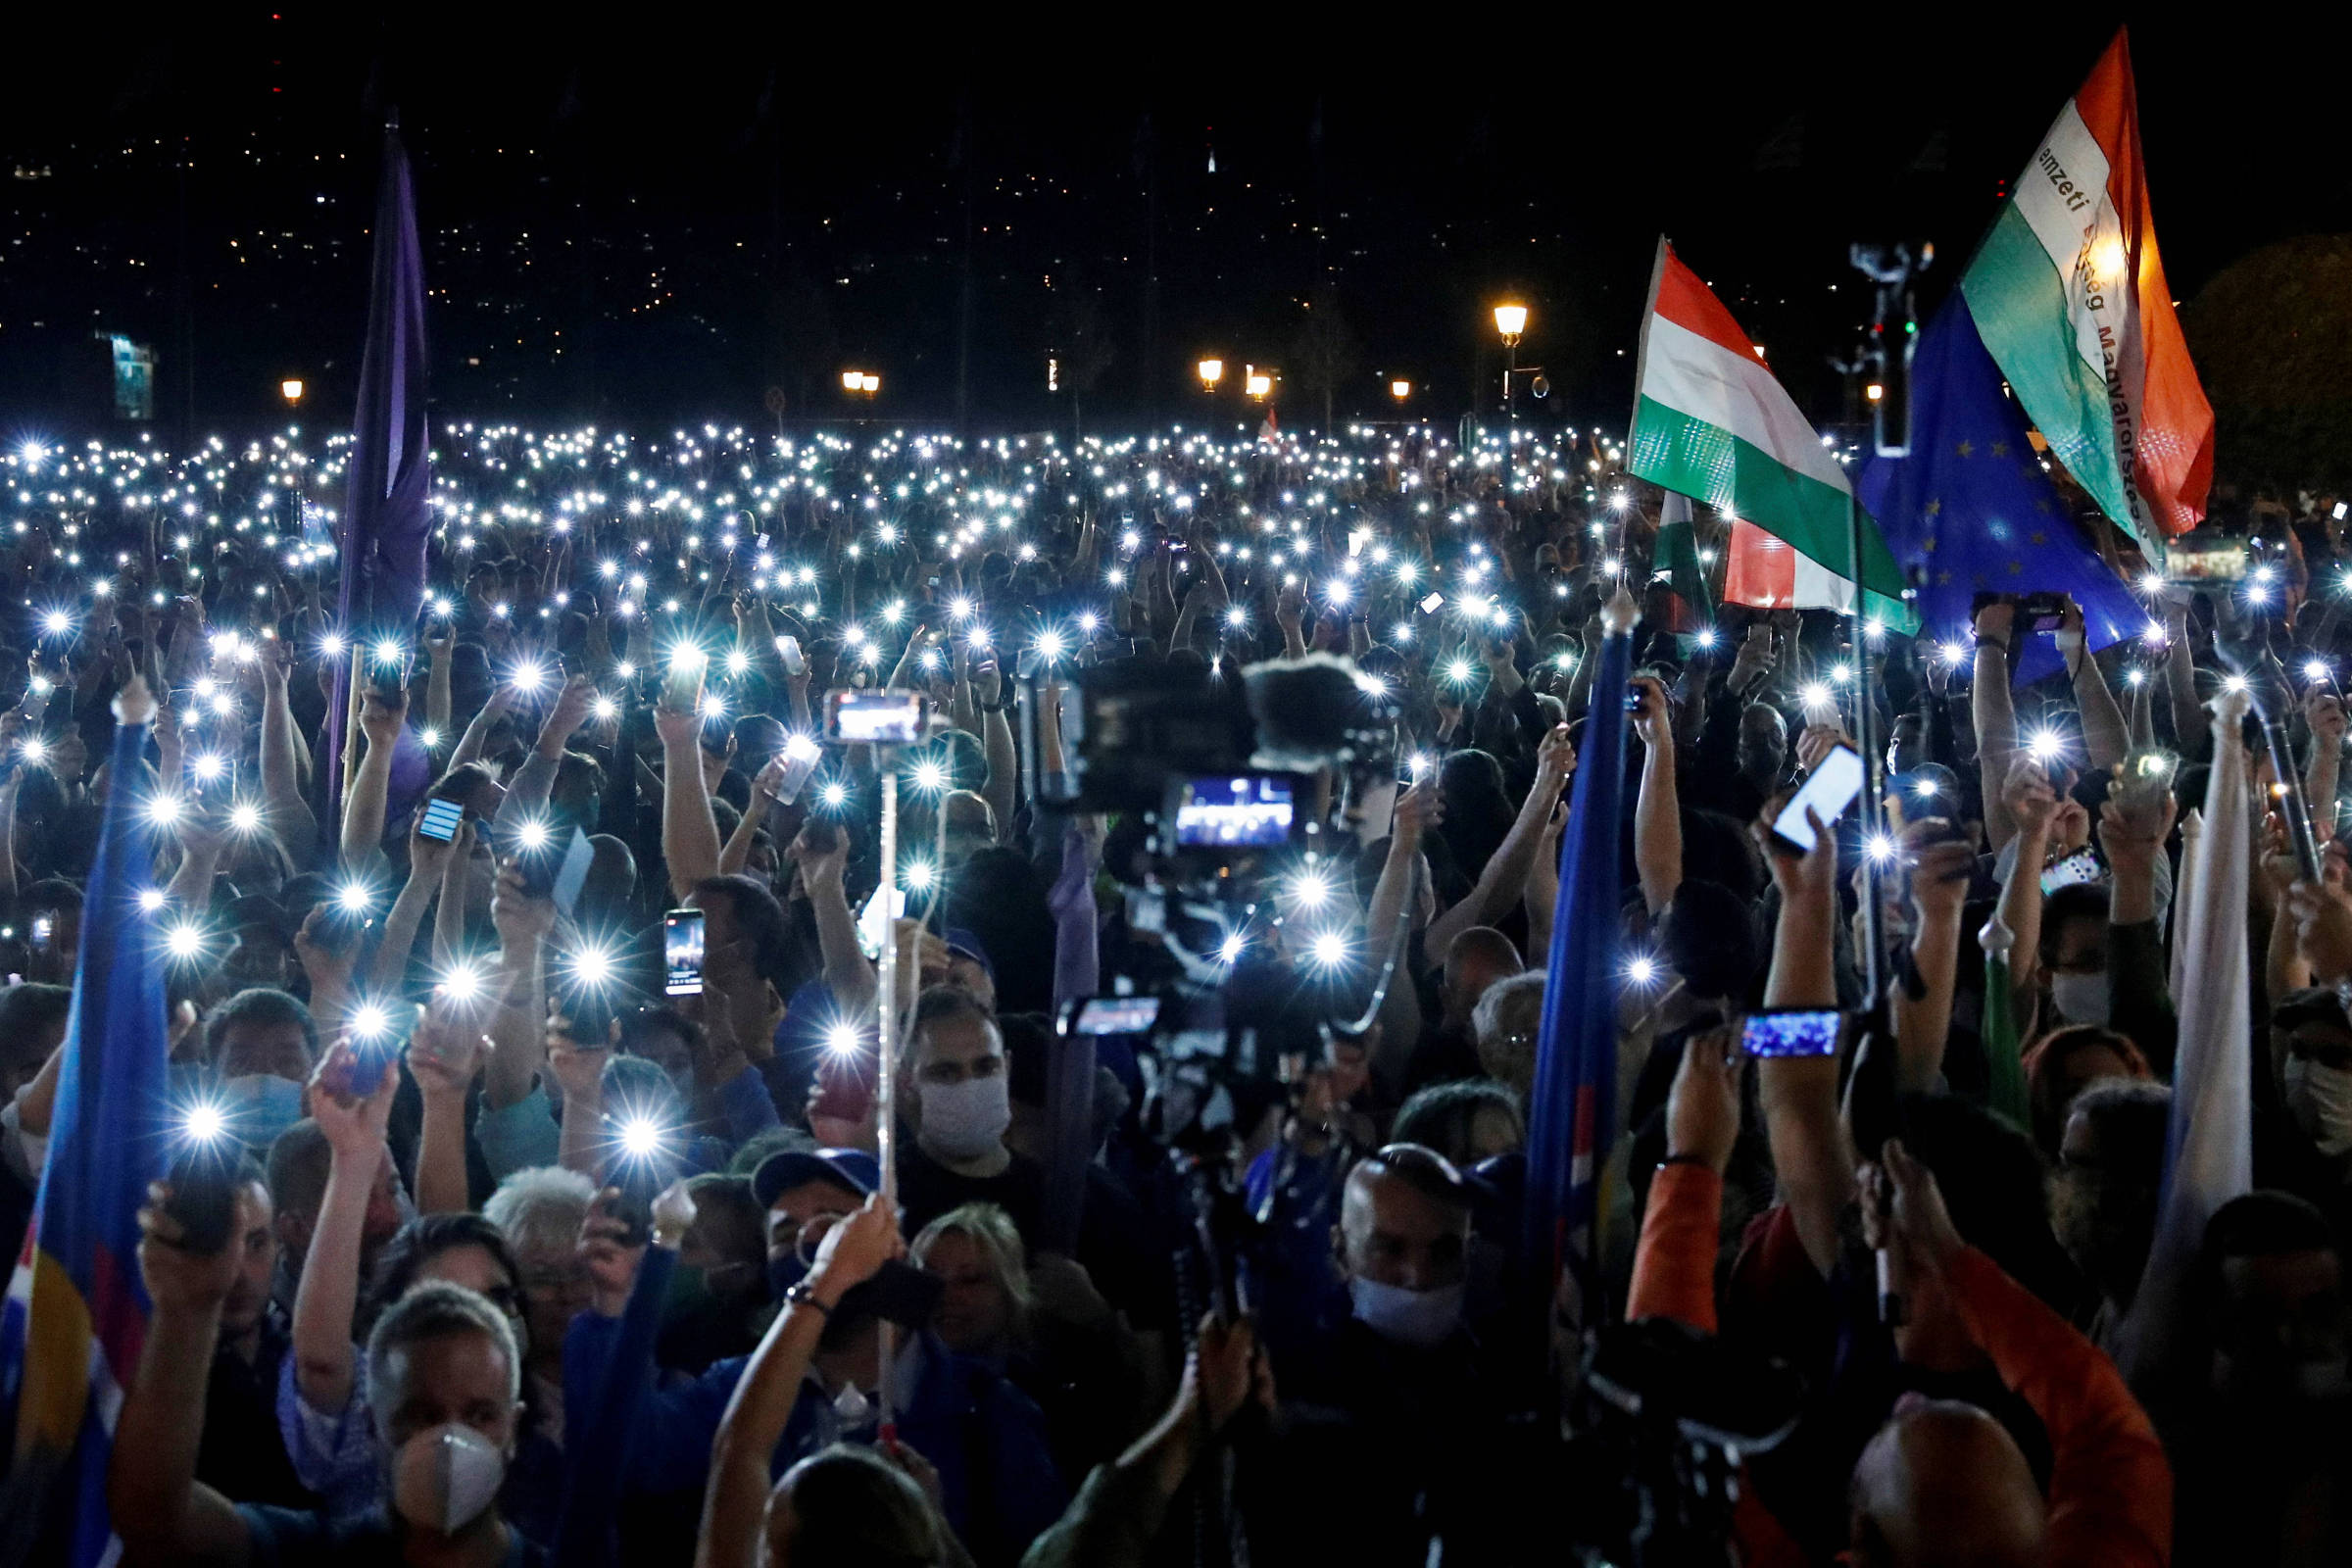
(2320, 1097)
(966, 1120)
(444, 1476)
(1419, 1318)
(2080, 997)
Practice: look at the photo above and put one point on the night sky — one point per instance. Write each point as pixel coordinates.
(663, 218)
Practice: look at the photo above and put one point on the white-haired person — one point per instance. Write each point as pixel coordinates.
(446, 1383)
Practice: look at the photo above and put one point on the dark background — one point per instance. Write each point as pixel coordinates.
(656, 214)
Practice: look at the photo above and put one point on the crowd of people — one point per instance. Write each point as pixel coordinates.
(454, 1320)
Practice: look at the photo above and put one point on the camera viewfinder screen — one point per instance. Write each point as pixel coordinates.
(1225, 813)
(1118, 1015)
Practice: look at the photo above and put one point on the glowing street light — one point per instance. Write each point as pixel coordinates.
(291, 389)
(1400, 389)
(1258, 384)
(1511, 322)
(1211, 371)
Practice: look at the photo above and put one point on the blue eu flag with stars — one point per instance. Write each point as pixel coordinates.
(1970, 509)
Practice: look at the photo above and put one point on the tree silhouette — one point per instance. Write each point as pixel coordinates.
(1078, 334)
(1324, 350)
(2272, 337)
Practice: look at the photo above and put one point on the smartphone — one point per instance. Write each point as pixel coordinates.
(2081, 867)
(865, 717)
(204, 1190)
(639, 1179)
(2340, 510)
(441, 819)
(2198, 567)
(1633, 697)
(682, 952)
(1430, 601)
(1111, 1015)
(1828, 790)
(872, 923)
(1792, 1032)
(1027, 665)
(682, 686)
(795, 662)
(44, 932)
(388, 679)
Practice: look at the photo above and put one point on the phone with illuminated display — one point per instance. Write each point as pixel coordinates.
(440, 819)
(1827, 792)
(682, 952)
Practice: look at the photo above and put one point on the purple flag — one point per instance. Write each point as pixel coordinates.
(384, 520)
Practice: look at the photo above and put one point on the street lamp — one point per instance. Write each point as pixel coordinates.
(869, 384)
(1212, 371)
(1400, 389)
(1510, 320)
(291, 390)
(1257, 383)
(852, 380)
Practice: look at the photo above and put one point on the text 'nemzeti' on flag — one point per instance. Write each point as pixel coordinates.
(2069, 293)
(1712, 422)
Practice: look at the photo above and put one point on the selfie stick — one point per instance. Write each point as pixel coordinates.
(886, 1125)
(1890, 432)
(2274, 700)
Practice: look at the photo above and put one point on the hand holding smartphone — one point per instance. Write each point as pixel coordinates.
(1827, 792)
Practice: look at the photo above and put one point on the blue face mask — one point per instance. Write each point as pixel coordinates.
(258, 1106)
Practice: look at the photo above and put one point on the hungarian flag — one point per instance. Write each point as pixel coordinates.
(1675, 565)
(1712, 422)
(2067, 291)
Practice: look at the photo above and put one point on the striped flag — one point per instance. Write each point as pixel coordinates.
(1711, 421)
(2068, 289)
(1572, 1116)
(77, 1312)
(1675, 563)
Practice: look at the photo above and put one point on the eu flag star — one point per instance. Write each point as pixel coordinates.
(1933, 506)
(2000, 448)
(2038, 537)
(2016, 567)
(1967, 449)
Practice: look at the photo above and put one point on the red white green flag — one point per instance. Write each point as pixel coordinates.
(2067, 292)
(1712, 422)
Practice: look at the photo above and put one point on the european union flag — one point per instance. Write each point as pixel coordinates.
(1971, 511)
(1572, 1116)
(77, 1313)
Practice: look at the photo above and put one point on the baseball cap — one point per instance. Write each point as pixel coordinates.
(851, 1169)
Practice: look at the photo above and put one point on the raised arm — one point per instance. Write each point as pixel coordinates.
(849, 973)
(330, 1274)
(1941, 866)
(689, 832)
(160, 1509)
(2106, 733)
(281, 781)
(1657, 808)
(1994, 717)
(2032, 805)
(1504, 878)
(735, 1501)
(444, 1055)
(2190, 730)
(440, 645)
(362, 829)
(518, 1025)
(1810, 1149)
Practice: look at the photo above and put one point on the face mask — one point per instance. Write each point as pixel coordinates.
(1419, 1318)
(259, 1105)
(966, 1120)
(2320, 1097)
(2080, 997)
(444, 1476)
